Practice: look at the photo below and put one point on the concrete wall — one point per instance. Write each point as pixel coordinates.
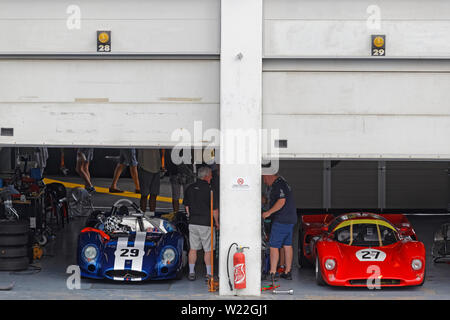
(330, 99)
(67, 99)
(106, 102)
(240, 101)
(136, 26)
(329, 28)
(351, 108)
(358, 107)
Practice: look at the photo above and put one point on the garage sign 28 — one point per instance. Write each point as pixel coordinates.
(103, 41)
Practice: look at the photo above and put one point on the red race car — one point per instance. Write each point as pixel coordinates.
(362, 250)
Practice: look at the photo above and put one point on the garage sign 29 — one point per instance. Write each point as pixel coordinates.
(103, 41)
(378, 45)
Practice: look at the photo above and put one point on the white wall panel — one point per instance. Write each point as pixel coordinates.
(356, 9)
(106, 102)
(340, 28)
(359, 114)
(153, 26)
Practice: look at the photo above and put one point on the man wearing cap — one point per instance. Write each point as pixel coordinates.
(283, 214)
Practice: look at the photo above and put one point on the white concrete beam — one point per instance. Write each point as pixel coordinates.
(240, 121)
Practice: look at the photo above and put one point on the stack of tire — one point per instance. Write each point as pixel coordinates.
(14, 245)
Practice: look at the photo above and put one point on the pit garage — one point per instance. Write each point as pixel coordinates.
(320, 187)
(350, 132)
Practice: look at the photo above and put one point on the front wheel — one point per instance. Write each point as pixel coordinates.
(302, 262)
(319, 277)
(184, 262)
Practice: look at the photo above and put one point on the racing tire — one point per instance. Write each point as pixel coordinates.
(42, 240)
(302, 262)
(13, 240)
(184, 259)
(180, 274)
(319, 277)
(13, 252)
(296, 245)
(14, 264)
(8, 227)
(183, 268)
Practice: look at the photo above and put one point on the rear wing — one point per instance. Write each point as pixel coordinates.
(317, 219)
(398, 220)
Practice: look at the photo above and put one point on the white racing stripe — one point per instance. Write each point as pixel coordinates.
(119, 261)
(139, 243)
(134, 254)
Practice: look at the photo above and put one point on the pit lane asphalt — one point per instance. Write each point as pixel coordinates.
(50, 282)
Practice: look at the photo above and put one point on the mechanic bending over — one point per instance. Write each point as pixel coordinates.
(197, 202)
(283, 214)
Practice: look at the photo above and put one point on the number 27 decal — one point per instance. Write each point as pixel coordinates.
(370, 255)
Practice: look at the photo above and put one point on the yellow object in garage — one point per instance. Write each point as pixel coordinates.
(37, 252)
(103, 37)
(378, 42)
(168, 216)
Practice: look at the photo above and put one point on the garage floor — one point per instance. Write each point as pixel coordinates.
(47, 278)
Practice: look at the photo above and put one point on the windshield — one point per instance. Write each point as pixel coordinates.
(365, 234)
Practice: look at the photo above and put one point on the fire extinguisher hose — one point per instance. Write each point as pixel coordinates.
(228, 265)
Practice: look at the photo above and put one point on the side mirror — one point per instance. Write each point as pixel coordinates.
(324, 229)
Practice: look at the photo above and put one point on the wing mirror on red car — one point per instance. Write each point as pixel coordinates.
(324, 229)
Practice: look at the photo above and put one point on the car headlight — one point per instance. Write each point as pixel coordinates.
(330, 264)
(90, 253)
(168, 256)
(416, 264)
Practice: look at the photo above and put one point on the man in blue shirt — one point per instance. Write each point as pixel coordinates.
(283, 214)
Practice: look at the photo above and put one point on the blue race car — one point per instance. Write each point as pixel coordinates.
(123, 246)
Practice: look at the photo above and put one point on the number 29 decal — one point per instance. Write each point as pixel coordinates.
(378, 52)
(370, 255)
(129, 252)
(378, 45)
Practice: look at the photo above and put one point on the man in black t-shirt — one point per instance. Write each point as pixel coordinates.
(197, 202)
(284, 216)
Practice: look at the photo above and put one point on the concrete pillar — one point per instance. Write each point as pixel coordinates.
(240, 124)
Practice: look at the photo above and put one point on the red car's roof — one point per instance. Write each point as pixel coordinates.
(359, 216)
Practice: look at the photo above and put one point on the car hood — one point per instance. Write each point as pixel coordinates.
(392, 261)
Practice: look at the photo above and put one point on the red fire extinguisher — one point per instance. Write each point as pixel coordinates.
(240, 275)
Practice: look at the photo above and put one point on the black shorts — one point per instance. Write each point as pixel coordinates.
(148, 182)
